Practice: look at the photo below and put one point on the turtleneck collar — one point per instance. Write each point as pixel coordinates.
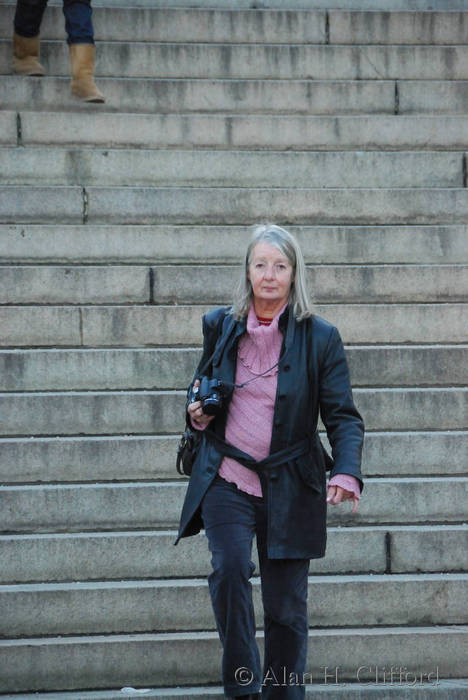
(260, 346)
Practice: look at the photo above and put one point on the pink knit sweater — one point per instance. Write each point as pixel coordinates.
(250, 419)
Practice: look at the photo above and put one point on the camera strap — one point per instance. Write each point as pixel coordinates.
(241, 386)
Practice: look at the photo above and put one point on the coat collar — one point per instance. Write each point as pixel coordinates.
(287, 324)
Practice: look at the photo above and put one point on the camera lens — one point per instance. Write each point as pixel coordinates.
(211, 405)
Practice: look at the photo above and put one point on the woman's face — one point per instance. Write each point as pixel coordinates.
(270, 273)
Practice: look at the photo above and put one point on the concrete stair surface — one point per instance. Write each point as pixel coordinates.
(148, 325)
(293, 96)
(164, 368)
(229, 205)
(116, 555)
(131, 457)
(443, 689)
(286, 23)
(63, 661)
(122, 223)
(252, 61)
(120, 607)
(62, 243)
(156, 411)
(179, 284)
(256, 131)
(90, 506)
(175, 168)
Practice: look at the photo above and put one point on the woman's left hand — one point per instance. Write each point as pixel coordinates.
(336, 494)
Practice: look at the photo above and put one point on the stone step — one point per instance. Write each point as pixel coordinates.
(64, 370)
(271, 96)
(123, 458)
(83, 608)
(328, 689)
(117, 59)
(96, 326)
(358, 323)
(185, 284)
(391, 5)
(111, 413)
(151, 554)
(140, 505)
(154, 243)
(231, 25)
(195, 657)
(416, 97)
(184, 168)
(65, 204)
(75, 285)
(92, 413)
(326, 284)
(240, 96)
(230, 205)
(8, 127)
(62, 557)
(165, 368)
(238, 131)
(399, 27)
(255, 131)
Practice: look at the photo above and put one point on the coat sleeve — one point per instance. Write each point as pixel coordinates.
(343, 423)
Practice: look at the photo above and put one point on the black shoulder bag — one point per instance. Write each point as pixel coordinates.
(187, 450)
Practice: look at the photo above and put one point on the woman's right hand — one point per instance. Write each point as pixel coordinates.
(199, 419)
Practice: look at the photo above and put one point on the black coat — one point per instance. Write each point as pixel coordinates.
(312, 376)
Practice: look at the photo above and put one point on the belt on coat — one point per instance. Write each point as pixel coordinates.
(275, 459)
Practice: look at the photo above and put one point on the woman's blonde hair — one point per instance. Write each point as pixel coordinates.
(288, 245)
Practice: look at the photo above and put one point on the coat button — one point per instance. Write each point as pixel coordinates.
(281, 397)
(286, 368)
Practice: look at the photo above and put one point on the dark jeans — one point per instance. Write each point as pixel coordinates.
(231, 519)
(78, 24)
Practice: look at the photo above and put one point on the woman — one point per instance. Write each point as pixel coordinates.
(261, 467)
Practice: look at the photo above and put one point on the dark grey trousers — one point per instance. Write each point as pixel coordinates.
(232, 518)
(78, 23)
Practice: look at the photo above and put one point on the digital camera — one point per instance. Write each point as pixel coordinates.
(211, 393)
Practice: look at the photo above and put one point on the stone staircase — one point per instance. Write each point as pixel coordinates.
(121, 224)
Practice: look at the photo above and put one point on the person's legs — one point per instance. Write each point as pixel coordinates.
(28, 17)
(229, 519)
(80, 38)
(27, 22)
(78, 22)
(284, 593)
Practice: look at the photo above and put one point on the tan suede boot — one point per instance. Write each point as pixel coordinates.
(82, 73)
(25, 55)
